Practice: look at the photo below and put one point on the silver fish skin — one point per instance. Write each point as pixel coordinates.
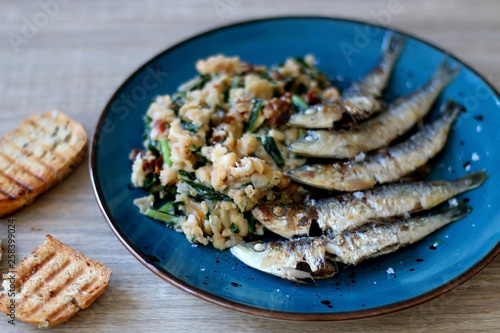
(382, 238)
(381, 130)
(310, 257)
(298, 260)
(385, 166)
(362, 98)
(351, 210)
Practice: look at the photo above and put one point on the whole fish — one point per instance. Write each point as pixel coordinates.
(295, 260)
(310, 257)
(381, 130)
(384, 166)
(385, 237)
(362, 98)
(350, 210)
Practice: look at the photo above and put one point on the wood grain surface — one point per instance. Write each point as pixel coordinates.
(74, 56)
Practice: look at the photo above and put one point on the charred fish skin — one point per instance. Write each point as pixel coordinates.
(296, 260)
(384, 166)
(348, 211)
(362, 99)
(381, 130)
(288, 221)
(381, 238)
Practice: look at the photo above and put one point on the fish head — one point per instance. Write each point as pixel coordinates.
(316, 175)
(285, 220)
(307, 145)
(294, 260)
(317, 116)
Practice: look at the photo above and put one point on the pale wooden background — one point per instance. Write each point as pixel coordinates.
(77, 58)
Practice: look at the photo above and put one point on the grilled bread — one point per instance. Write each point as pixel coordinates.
(40, 153)
(52, 284)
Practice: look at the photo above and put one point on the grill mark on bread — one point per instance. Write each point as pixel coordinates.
(31, 155)
(47, 295)
(10, 188)
(32, 264)
(55, 282)
(20, 139)
(40, 153)
(19, 175)
(33, 285)
(61, 138)
(18, 158)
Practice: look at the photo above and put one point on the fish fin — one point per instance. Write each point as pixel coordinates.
(457, 212)
(450, 110)
(446, 71)
(450, 105)
(393, 44)
(475, 179)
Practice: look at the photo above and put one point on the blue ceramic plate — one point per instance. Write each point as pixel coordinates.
(345, 50)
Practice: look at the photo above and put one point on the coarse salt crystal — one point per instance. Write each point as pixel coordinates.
(359, 194)
(479, 128)
(390, 270)
(475, 156)
(406, 215)
(453, 202)
(360, 157)
(467, 167)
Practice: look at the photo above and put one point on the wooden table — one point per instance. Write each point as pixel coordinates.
(72, 55)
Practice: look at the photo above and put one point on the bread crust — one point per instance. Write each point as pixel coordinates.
(43, 151)
(53, 283)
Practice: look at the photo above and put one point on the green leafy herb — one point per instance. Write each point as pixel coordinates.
(234, 228)
(236, 83)
(153, 149)
(178, 99)
(250, 220)
(187, 126)
(299, 103)
(152, 183)
(201, 160)
(196, 83)
(266, 76)
(167, 207)
(165, 151)
(272, 149)
(302, 62)
(207, 192)
(169, 219)
(253, 121)
(183, 174)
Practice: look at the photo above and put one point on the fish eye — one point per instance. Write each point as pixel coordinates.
(258, 247)
(279, 211)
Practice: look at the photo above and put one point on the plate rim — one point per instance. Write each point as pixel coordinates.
(245, 308)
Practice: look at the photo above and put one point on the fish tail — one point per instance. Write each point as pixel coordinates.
(446, 72)
(393, 44)
(458, 212)
(451, 109)
(474, 180)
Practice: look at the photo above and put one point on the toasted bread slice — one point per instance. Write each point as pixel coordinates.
(40, 153)
(52, 284)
